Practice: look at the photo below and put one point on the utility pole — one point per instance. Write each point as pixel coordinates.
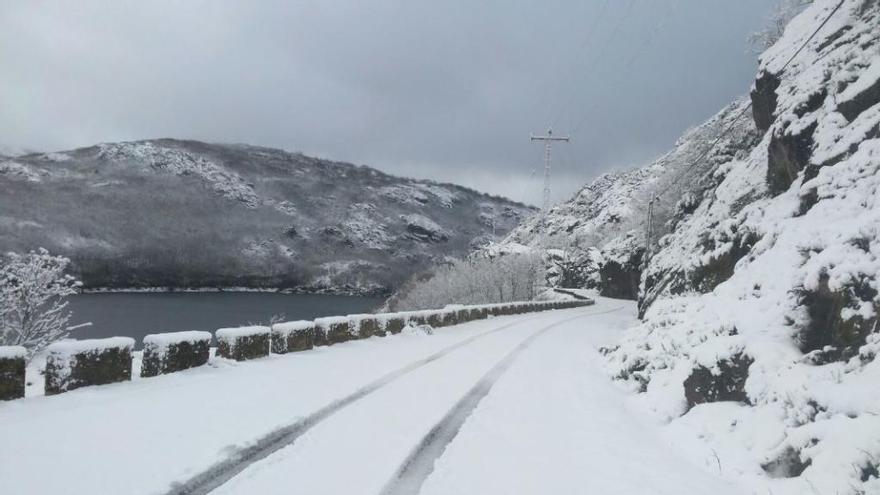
(548, 146)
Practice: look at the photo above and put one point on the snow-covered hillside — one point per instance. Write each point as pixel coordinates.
(760, 303)
(191, 214)
(605, 221)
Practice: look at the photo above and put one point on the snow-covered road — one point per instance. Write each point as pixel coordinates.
(508, 405)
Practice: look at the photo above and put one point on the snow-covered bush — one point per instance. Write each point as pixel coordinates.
(478, 280)
(33, 310)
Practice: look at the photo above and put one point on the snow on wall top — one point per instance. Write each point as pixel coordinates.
(291, 326)
(70, 347)
(330, 320)
(12, 352)
(233, 333)
(169, 338)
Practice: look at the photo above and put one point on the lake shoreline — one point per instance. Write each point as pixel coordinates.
(328, 291)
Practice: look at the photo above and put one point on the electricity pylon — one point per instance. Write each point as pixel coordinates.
(548, 146)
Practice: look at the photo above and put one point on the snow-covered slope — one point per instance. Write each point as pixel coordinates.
(605, 222)
(760, 302)
(187, 214)
(767, 293)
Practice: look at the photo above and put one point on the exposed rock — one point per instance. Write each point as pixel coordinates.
(787, 155)
(764, 99)
(827, 328)
(705, 385)
(787, 465)
(863, 99)
(706, 277)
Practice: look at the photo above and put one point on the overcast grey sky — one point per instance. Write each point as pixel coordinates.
(448, 90)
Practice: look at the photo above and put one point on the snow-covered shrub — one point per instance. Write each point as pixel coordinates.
(174, 351)
(33, 310)
(72, 364)
(293, 336)
(475, 281)
(12, 372)
(243, 343)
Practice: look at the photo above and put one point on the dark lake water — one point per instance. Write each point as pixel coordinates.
(139, 314)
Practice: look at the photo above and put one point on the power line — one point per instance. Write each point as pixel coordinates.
(595, 60)
(724, 134)
(640, 50)
(573, 68)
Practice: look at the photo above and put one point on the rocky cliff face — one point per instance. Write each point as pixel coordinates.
(760, 303)
(191, 214)
(767, 293)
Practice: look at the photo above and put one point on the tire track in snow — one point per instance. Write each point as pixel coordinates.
(420, 463)
(221, 472)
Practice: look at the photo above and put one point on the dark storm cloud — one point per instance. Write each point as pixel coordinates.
(447, 90)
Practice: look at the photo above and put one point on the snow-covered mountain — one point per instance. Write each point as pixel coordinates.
(760, 302)
(191, 214)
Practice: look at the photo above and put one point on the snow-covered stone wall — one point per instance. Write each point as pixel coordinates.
(72, 364)
(243, 343)
(293, 336)
(12, 372)
(175, 351)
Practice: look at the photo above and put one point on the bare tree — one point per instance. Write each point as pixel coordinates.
(33, 309)
(475, 281)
